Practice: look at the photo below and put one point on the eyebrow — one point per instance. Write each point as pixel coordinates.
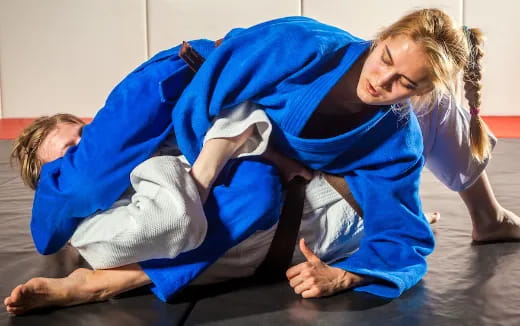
(392, 61)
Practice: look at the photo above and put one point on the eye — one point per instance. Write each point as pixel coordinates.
(408, 85)
(384, 59)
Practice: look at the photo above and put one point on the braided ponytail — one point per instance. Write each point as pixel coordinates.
(479, 140)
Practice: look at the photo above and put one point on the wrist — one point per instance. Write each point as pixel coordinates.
(350, 280)
(204, 174)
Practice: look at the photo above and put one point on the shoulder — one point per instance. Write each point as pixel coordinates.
(294, 28)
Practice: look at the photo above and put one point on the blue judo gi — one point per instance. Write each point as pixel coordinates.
(287, 66)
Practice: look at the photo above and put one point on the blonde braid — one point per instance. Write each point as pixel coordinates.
(479, 139)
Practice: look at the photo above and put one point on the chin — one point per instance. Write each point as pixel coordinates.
(368, 99)
(364, 96)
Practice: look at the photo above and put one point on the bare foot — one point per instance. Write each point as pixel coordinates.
(51, 292)
(504, 227)
(433, 217)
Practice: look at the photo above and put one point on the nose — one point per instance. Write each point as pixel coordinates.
(385, 80)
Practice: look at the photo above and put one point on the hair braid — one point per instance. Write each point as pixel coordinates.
(479, 139)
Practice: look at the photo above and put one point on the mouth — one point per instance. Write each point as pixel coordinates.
(371, 90)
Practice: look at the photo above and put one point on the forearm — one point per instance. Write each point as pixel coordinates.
(347, 280)
(214, 155)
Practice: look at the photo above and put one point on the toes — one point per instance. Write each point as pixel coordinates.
(433, 217)
(15, 310)
(15, 297)
(436, 216)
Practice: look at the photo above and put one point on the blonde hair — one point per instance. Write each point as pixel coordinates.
(449, 50)
(478, 130)
(26, 145)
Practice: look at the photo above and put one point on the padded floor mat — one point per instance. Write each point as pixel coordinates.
(467, 284)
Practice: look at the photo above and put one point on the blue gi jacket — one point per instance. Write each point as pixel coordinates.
(288, 66)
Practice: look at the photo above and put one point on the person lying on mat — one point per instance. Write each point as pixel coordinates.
(113, 256)
(384, 148)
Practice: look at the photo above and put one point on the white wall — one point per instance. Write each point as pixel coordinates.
(66, 55)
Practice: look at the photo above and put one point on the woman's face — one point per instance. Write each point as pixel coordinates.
(58, 141)
(396, 69)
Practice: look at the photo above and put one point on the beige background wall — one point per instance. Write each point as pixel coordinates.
(66, 55)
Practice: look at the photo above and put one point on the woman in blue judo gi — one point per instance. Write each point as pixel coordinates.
(303, 73)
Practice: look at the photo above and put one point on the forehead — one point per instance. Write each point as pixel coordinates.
(57, 136)
(408, 56)
(63, 129)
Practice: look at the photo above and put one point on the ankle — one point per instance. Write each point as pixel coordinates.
(93, 286)
(487, 216)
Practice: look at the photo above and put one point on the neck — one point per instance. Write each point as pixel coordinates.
(344, 93)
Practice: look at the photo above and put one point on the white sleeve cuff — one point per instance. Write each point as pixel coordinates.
(235, 121)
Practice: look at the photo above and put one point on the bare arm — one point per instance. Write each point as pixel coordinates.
(214, 155)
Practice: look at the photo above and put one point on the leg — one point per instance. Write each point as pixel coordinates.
(81, 286)
(491, 222)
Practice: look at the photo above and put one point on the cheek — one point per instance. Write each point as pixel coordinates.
(369, 69)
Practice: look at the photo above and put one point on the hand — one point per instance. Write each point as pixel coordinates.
(288, 168)
(314, 278)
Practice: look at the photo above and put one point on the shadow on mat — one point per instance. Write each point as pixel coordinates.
(249, 297)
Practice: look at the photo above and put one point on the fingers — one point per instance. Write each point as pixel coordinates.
(303, 286)
(307, 253)
(297, 280)
(304, 173)
(311, 293)
(308, 289)
(295, 270)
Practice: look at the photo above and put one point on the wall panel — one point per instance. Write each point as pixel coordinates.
(366, 18)
(172, 21)
(66, 55)
(499, 22)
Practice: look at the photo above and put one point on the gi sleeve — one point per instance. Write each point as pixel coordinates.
(163, 219)
(447, 145)
(234, 122)
(397, 235)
